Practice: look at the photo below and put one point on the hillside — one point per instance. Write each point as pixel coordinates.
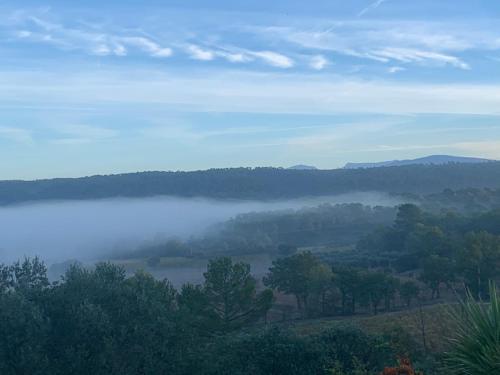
(303, 167)
(257, 183)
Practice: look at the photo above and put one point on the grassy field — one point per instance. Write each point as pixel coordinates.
(435, 329)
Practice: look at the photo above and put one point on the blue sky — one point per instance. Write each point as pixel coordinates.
(98, 87)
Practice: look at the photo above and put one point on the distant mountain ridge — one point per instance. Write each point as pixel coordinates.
(303, 167)
(432, 159)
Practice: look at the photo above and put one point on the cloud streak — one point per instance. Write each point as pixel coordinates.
(274, 59)
(234, 91)
(371, 7)
(384, 42)
(318, 62)
(79, 134)
(424, 44)
(36, 29)
(145, 44)
(406, 55)
(198, 53)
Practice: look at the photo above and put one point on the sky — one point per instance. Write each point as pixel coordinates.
(101, 87)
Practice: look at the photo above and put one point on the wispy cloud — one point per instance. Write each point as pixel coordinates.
(36, 29)
(189, 133)
(145, 44)
(78, 134)
(371, 7)
(395, 69)
(240, 91)
(408, 55)
(396, 42)
(198, 53)
(239, 55)
(234, 57)
(385, 42)
(102, 42)
(318, 62)
(339, 133)
(273, 58)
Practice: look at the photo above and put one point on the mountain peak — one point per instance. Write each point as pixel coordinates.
(426, 160)
(303, 167)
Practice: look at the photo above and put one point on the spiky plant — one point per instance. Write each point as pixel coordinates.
(476, 344)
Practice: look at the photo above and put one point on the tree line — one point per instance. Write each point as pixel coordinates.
(97, 321)
(446, 250)
(464, 201)
(257, 183)
(323, 290)
(414, 259)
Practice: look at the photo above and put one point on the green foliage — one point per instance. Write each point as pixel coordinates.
(322, 289)
(230, 291)
(295, 275)
(278, 232)
(349, 280)
(26, 276)
(468, 201)
(385, 236)
(23, 336)
(443, 249)
(476, 342)
(354, 350)
(436, 270)
(106, 323)
(359, 369)
(98, 321)
(408, 217)
(276, 352)
(270, 352)
(258, 183)
(317, 287)
(478, 261)
(195, 310)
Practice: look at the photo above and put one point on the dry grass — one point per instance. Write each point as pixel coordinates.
(437, 322)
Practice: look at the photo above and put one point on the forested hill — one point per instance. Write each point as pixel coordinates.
(257, 183)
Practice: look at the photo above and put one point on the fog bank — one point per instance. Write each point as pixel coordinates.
(86, 230)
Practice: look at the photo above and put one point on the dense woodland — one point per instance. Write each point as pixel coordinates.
(331, 262)
(278, 232)
(417, 257)
(464, 201)
(100, 322)
(258, 183)
(96, 320)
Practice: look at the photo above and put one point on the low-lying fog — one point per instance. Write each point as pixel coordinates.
(86, 230)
